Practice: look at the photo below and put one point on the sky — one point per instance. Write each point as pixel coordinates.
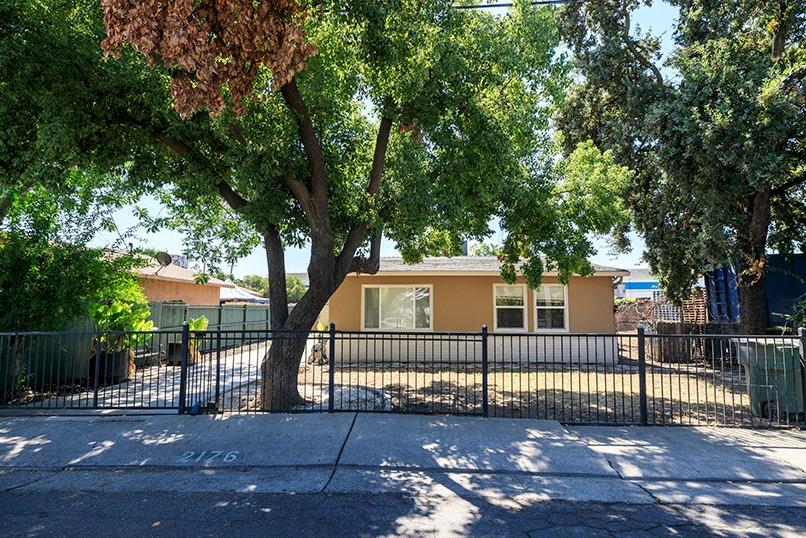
(657, 19)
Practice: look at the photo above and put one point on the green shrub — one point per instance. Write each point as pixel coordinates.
(796, 317)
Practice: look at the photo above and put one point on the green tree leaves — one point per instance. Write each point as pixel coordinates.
(716, 145)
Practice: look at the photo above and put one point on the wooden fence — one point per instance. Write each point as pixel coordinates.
(245, 317)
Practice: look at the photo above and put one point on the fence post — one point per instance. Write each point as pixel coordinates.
(485, 409)
(802, 338)
(183, 374)
(642, 376)
(218, 369)
(331, 374)
(97, 373)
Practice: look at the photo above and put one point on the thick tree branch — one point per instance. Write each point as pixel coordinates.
(781, 30)
(177, 146)
(379, 156)
(278, 294)
(235, 200)
(313, 149)
(347, 261)
(303, 196)
(236, 132)
(637, 54)
(372, 264)
(795, 181)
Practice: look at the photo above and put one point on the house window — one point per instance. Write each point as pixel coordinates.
(510, 306)
(397, 307)
(551, 305)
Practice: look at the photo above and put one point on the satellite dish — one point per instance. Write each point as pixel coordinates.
(164, 258)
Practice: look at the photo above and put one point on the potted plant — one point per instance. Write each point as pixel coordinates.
(119, 328)
(195, 326)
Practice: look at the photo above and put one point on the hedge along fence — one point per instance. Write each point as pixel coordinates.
(241, 317)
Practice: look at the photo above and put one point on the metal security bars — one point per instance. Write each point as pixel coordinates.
(226, 373)
(90, 370)
(619, 378)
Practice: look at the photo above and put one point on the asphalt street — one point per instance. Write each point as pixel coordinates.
(350, 474)
(364, 514)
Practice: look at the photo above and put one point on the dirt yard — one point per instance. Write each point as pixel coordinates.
(688, 394)
(579, 396)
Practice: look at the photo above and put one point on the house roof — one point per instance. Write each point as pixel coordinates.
(641, 274)
(174, 273)
(482, 265)
(236, 293)
(302, 276)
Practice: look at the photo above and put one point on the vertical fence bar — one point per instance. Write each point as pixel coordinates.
(218, 367)
(485, 410)
(331, 374)
(642, 400)
(183, 373)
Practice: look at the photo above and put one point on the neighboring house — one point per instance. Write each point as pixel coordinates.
(640, 284)
(174, 283)
(302, 276)
(239, 294)
(460, 294)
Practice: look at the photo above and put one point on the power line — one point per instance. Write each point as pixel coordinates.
(510, 4)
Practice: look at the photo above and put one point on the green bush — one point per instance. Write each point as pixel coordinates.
(49, 285)
(796, 317)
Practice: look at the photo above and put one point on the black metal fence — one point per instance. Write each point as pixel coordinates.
(89, 370)
(632, 378)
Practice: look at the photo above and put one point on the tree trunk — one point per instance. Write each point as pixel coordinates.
(752, 281)
(278, 372)
(753, 313)
(275, 259)
(280, 367)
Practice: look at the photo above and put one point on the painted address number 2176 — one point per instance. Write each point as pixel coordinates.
(208, 456)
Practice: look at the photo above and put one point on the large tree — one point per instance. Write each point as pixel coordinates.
(330, 124)
(56, 137)
(715, 136)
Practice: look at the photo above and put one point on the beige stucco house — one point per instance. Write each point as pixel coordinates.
(460, 294)
(174, 283)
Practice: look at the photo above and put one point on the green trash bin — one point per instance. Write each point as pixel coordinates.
(774, 375)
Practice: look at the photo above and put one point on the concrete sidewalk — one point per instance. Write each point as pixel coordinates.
(504, 462)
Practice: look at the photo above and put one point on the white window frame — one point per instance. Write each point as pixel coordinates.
(525, 309)
(564, 308)
(412, 286)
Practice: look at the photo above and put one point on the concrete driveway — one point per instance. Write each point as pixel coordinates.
(503, 461)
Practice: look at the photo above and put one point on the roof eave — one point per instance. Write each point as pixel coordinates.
(476, 273)
(184, 281)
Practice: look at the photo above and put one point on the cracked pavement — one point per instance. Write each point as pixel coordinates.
(376, 475)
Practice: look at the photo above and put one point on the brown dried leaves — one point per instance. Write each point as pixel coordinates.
(211, 43)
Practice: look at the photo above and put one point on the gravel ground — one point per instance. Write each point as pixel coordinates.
(678, 395)
(247, 398)
(690, 394)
